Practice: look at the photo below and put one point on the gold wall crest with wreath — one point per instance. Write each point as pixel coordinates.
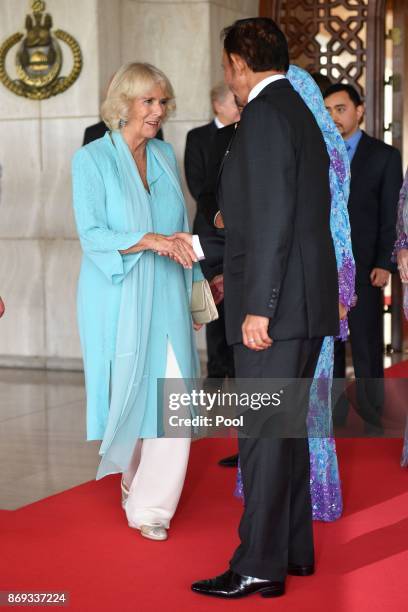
(39, 58)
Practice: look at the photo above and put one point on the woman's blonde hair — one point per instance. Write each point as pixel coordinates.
(129, 82)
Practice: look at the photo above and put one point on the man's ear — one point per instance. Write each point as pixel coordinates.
(237, 63)
(360, 112)
(216, 107)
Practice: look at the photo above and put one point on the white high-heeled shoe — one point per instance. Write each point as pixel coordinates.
(154, 531)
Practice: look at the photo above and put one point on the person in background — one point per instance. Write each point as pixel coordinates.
(322, 81)
(212, 265)
(220, 362)
(401, 255)
(376, 177)
(200, 139)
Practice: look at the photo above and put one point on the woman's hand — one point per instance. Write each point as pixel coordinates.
(197, 326)
(402, 259)
(171, 246)
(2, 308)
(175, 248)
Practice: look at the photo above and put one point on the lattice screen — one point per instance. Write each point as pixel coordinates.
(328, 36)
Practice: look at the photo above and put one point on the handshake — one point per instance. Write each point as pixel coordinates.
(178, 247)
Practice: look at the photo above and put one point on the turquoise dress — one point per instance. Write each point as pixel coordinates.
(161, 305)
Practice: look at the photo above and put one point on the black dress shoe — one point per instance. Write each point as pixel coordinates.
(231, 586)
(300, 570)
(231, 461)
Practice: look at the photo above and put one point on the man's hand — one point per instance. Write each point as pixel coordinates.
(342, 311)
(217, 288)
(177, 249)
(255, 333)
(197, 326)
(2, 308)
(402, 259)
(379, 277)
(184, 236)
(219, 221)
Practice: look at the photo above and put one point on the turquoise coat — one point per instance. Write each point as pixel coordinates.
(100, 215)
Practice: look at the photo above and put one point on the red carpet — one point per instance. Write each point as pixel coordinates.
(78, 541)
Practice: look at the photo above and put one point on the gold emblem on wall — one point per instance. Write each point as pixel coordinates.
(39, 57)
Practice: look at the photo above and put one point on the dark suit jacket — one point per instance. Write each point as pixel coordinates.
(376, 178)
(93, 132)
(196, 160)
(207, 199)
(196, 156)
(274, 195)
(213, 240)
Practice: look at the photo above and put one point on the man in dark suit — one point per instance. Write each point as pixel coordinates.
(376, 178)
(197, 160)
(281, 299)
(200, 140)
(212, 266)
(97, 130)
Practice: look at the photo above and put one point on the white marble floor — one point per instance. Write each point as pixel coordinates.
(42, 435)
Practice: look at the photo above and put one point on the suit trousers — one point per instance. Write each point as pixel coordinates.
(367, 345)
(220, 356)
(276, 526)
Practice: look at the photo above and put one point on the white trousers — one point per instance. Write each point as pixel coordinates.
(157, 471)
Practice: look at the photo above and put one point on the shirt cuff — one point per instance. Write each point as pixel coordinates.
(197, 247)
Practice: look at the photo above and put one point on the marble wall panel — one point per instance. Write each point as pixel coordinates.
(244, 8)
(80, 20)
(109, 43)
(222, 16)
(250, 7)
(176, 39)
(21, 273)
(20, 161)
(60, 138)
(12, 18)
(62, 262)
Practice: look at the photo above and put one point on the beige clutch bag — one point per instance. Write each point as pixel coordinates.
(203, 308)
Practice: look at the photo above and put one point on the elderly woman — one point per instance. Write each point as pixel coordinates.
(133, 303)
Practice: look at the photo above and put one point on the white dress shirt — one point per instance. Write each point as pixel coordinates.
(218, 123)
(255, 91)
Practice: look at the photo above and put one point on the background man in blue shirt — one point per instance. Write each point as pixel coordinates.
(376, 178)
